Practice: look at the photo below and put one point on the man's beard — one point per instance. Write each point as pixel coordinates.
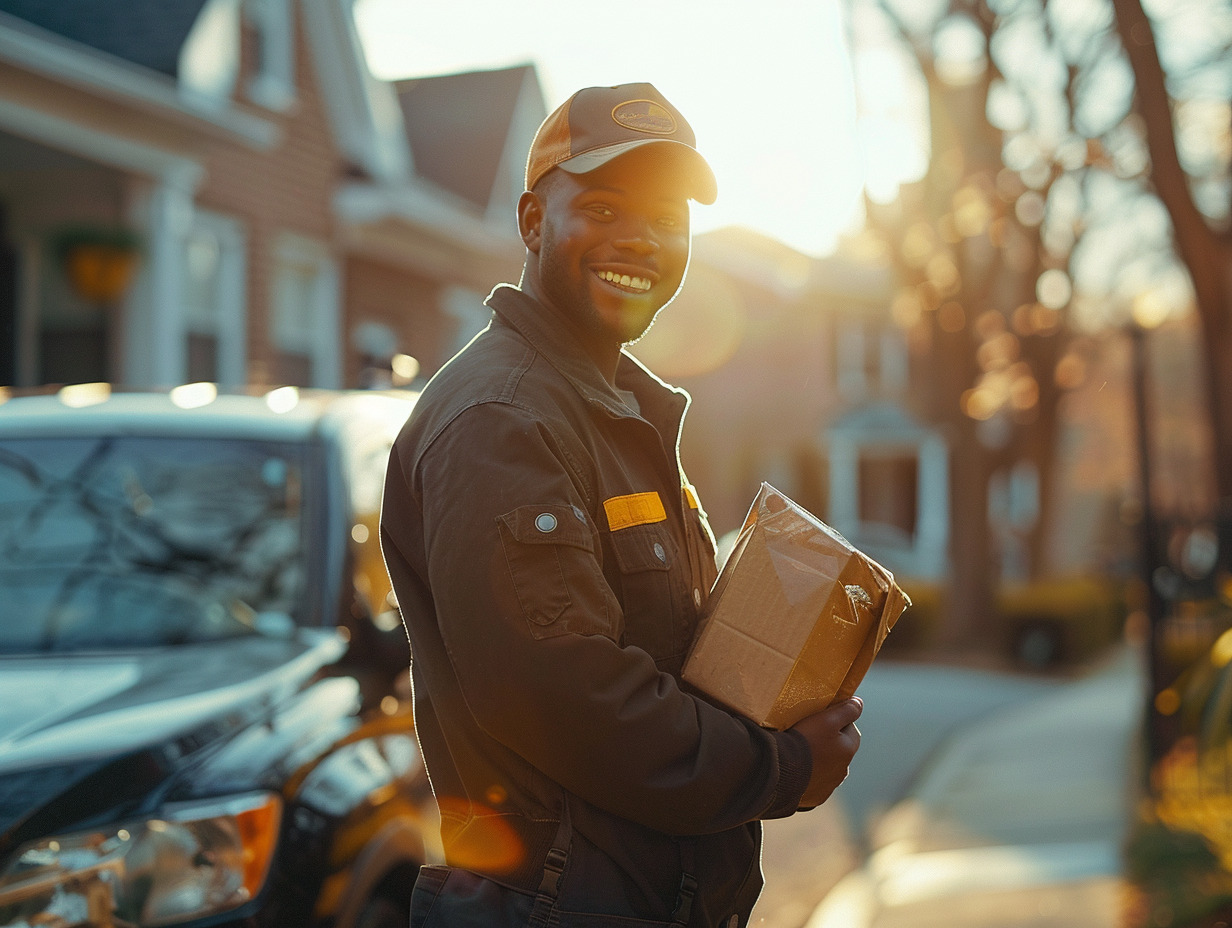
(572, 296)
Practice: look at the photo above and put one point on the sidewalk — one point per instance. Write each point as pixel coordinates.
(1020, 819)
(1026, 802)
(1054, 769)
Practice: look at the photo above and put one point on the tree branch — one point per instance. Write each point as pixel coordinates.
(1194, 235)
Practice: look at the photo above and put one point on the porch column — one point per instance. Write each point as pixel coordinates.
(844, 505)
(933, 515)
(155, 343)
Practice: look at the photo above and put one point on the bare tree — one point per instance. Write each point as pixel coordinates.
(982, 244)
(1200, 228)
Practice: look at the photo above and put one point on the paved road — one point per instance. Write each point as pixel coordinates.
(1058, 745)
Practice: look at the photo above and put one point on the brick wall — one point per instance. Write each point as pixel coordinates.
(286, 189)
(404, 301)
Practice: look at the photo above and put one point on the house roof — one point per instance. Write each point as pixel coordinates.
(762, 259)
(885, 422)
(458, 126)
(149, 33)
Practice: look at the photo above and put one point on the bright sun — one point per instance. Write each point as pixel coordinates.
(767, 88)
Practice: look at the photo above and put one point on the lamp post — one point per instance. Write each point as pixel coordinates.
(1149, 549)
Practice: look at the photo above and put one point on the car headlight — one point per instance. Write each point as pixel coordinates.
(197, 859)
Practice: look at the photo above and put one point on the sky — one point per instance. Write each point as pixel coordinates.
(767, 87)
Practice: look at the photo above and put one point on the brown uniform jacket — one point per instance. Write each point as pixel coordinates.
(551, 561)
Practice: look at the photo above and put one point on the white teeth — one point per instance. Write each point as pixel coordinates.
(634, 283)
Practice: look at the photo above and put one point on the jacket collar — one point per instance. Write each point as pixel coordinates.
(661, 404)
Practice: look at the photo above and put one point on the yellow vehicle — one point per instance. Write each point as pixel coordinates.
(1180, 852)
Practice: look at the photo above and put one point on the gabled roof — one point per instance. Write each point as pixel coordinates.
(459, 127)
(150, 33)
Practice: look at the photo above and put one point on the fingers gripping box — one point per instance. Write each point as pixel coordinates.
(795, 618)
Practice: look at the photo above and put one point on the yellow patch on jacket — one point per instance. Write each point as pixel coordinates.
(634, 509)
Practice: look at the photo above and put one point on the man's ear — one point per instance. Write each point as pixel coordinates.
(530, 220)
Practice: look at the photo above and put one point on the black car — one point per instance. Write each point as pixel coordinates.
(204, 691)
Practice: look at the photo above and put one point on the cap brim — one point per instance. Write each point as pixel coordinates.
(703, 186)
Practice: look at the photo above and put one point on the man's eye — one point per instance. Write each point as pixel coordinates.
(600, 212)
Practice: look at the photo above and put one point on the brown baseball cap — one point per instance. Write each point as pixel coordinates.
(598, 124)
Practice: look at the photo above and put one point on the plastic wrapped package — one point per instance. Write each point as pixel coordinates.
(795, 618)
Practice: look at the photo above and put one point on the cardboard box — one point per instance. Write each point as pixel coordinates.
(795, 618)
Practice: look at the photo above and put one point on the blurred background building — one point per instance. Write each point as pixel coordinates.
(221, 190)
(1010, 387)
(212, 190)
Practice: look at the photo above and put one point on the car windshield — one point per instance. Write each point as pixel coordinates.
(125, 541)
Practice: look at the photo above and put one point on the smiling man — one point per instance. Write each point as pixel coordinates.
(552, 562)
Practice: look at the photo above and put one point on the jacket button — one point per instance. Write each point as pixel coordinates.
(697, 597)
(545, 522)
(660, 553)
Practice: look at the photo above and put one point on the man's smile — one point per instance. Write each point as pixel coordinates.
(625, 281)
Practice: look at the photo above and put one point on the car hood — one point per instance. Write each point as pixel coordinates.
(67, 708)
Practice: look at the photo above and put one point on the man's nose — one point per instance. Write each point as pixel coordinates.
(638, 236)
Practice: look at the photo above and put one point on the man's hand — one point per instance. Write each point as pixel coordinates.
(833, 739)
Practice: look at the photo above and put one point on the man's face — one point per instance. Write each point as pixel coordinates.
(613, 246)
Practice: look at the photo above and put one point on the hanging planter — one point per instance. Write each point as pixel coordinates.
(99, 261)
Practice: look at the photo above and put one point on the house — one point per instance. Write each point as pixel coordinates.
(800, 378)
(803, 375)
(220, 190)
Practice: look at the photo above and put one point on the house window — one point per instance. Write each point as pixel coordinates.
(870, 360)
(850, 362)
(1013, 510)
(214, 313)
(271, 59)
(893, 369)
(305, 332)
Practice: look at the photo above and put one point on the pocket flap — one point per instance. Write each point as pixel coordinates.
(550, 524)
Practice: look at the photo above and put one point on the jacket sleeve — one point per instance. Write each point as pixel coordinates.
(529, 623)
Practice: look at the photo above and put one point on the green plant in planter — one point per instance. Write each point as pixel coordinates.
(1176, 877)
(99, 261)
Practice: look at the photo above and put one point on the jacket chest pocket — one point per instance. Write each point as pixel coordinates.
(549, 550)
(653, 578)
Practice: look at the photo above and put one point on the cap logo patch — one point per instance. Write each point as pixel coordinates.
(645, 116)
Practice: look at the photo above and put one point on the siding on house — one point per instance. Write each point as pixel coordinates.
(286, 189)
(406, 303)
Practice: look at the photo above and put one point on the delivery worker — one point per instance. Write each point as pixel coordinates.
(551, 562)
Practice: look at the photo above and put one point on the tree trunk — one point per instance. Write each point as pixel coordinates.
(970, 602)
(1206, 253)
